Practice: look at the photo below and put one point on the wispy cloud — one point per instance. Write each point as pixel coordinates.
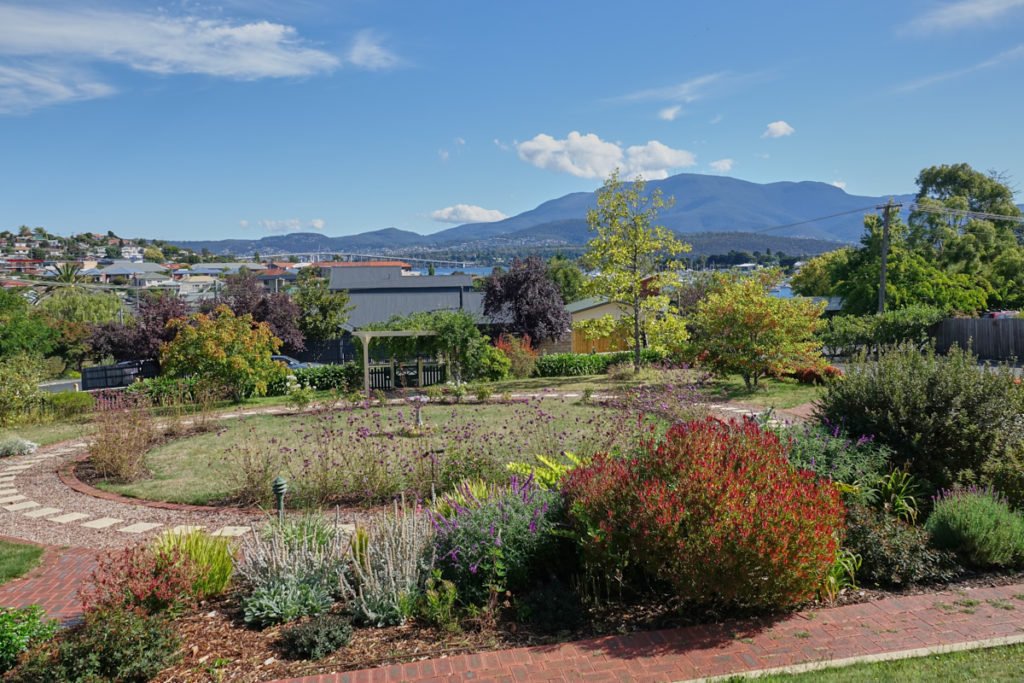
(588, 156)
(778, 129)
(367, 52)
(46, 53)
(670, 113)
(687, 91)
(290, 225)
(1014, 53)
(963, 14)
(467, 213)
(841, 184)
(722, 165)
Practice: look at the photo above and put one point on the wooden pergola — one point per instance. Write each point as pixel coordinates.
(367, 335)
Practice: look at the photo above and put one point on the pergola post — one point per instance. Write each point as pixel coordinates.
(366, 335)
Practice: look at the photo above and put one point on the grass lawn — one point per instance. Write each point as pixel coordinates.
(770, 393)
(45, 434)
(992, 664)
(370, 450)
(17, 559)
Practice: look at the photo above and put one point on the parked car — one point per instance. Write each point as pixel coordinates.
(293, 364)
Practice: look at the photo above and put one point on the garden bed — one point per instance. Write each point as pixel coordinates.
(219, 646)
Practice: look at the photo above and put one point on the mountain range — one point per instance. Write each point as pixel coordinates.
(703, 203)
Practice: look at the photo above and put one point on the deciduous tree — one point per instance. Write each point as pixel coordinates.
(526, 300)
(632, 258)
(321, 311)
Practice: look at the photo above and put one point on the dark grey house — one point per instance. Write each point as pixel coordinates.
(380, 292)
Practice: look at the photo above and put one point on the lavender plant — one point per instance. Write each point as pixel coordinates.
(827, 451)
(978, 525)
(504, 542)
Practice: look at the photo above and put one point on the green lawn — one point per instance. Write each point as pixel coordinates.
(992, 664)
(17, 559)
(770, 393)
(370, 448)
(45, 434)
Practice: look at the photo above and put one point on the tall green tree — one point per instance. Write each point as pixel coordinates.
(321, 311)
(632, 257)
(568, 276)
(815, 277)
(73, 304)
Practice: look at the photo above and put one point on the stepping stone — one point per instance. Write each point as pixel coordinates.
(139, 527)
(8, 492)
(7, 480)
(42, 512)
(187, 529)
(10, 499)
(231, 531)
(15, 468)
(102, 523)
(68, 517)
(22, 506)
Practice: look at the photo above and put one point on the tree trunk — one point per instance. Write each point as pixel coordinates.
(636, 335)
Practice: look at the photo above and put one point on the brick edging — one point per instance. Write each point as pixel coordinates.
(66, 473)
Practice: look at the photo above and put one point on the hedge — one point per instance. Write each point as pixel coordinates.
(577, 364)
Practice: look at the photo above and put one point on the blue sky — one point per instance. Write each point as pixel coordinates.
(195, 120)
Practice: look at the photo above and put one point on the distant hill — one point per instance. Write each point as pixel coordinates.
(703, 203)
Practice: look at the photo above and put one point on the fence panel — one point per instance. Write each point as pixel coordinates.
(989, 338)
(120, 375)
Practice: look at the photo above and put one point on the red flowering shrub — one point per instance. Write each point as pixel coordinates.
(832, 372)
(141, 577)
(520, 353)
(715, 509)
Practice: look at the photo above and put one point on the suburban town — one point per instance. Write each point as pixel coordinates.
(742, 401)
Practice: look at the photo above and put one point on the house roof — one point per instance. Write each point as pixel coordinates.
(391, 277)
(586, 304)
(376, 307)
(354, 264)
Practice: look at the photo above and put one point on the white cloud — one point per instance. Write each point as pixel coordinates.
(41, 43)
(367, 52)
(1000, 58)
(777, 129)
(670, 113)
(460, 141)
(958, 15)
(291, 225)
(244, 223)
(588, 156)
(500, 145)
(466, 213)
(722, 165)
(443, 154)
(25, 88)
(841, 184)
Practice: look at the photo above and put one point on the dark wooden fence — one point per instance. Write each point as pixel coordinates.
(120, 375)
(988, 338)
(331, 351)
(393, 375)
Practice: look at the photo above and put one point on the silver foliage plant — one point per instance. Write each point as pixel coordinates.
(296, 552)
(389, 563)
(16, 446)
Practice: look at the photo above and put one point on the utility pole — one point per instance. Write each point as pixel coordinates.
(886, 209)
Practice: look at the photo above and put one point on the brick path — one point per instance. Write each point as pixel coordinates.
(882, 630)
(53, 585)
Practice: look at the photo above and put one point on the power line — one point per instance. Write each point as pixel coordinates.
(965, 214)
(815, 220)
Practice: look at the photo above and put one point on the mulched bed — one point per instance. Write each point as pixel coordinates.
(218, 645)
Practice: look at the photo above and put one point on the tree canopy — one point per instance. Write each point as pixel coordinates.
(244, 295)
(527, 301)
(632, 258)
(321, 311)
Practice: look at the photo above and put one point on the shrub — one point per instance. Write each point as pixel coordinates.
(1002, 471)
(345, 377)
(846, 335)
(284, 601)
(894, 553)
(21, 629)
(483, 391)
(124, 431)
(290, 571)
(521, 354)
(437, 605)
(115, 643)
(316, 638)
(66, 404)
(210, 557)
(551, 472)
(578, 364)
(20, 395)
(552, 607)
(830, 453)
(503, 542)
(154, 580)
(979, 526)
(488, 363)
(715, 509)
(941, 414)
(16, 446)
(388, 568)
